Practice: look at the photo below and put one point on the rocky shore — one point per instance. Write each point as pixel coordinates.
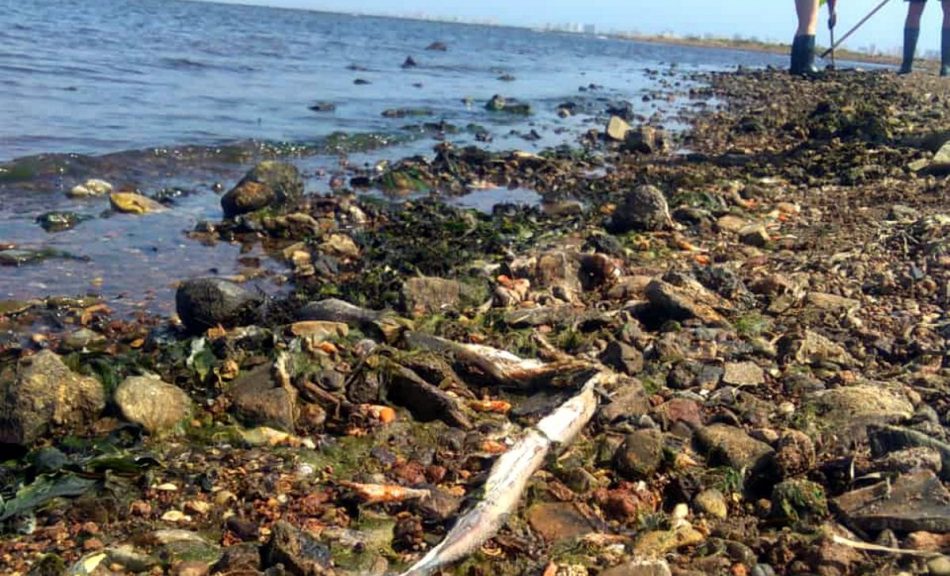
(725, 351)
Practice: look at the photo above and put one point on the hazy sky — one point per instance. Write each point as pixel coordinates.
(765, 19)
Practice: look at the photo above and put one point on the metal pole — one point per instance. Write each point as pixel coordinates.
(851, 31)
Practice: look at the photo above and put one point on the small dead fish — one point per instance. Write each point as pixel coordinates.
(502, 366)
(508, 478)
(384, 493)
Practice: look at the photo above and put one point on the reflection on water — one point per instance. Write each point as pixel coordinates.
(167, 94)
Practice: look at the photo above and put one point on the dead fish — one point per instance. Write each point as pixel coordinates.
(508, 478)
(384, 493)
(502, 366)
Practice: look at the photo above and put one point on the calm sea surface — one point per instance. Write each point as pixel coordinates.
(158, 94)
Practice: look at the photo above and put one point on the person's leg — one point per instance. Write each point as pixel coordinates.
(911, 33)
(945, 40)
(807, 11)
(803, 47)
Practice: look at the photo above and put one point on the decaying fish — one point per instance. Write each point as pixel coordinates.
(508, 478)
(384, 493)
(502, 366)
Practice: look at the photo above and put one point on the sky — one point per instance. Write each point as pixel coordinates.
(772, 20)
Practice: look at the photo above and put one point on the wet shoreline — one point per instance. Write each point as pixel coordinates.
(766, 290)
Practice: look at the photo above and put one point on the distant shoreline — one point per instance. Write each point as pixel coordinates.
(755, 46)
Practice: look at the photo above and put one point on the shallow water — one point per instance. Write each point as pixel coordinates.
(154, 94)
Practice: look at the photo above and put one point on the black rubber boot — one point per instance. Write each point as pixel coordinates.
(945, 52)
(803, 56)
(910, 47)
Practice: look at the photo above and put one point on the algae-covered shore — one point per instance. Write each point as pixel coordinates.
(765, 292)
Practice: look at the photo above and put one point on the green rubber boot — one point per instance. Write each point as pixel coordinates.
(910, 47)
(803, 56)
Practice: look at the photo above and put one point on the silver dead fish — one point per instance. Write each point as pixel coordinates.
(509, 476)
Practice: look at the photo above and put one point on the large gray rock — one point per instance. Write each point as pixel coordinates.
(258, 400)
(155, 405)
(46, 397)
(268, 183)
(643, 209)
(849, 410)
(204, 303)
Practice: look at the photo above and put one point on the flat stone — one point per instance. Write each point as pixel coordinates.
(558, 521)
(743, 374)
(914, 502)
(856, 407)
(155, 405)
(733, 447)
(831, 302)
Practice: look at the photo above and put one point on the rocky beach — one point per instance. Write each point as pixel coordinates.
(717, 349)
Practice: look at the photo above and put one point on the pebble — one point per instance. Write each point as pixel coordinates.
(712, 502)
